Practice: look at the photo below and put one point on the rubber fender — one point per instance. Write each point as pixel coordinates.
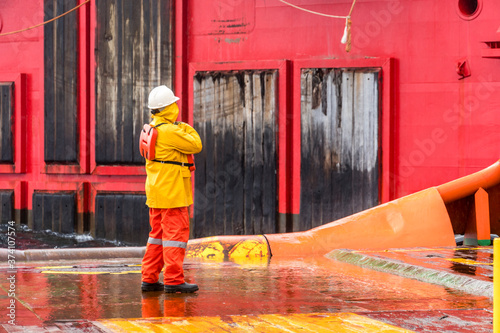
(417, 220)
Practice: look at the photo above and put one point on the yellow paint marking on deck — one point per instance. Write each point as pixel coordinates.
(319, 323)
(198, 325)
(126, 272)
(469, 261)
(128, 326)
(289, 323)
(325, 322)
(54, 270)
(71, 272)
(309, 322)
(168, 324)
(88, 272)
(250, 324)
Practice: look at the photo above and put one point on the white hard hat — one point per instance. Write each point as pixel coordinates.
(160, 97)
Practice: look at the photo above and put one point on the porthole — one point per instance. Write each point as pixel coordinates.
(469, 9)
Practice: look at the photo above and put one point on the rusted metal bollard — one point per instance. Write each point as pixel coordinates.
(496, 285)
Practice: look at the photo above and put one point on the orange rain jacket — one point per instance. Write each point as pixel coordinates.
(169, 185)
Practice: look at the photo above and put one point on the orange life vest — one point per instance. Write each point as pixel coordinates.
(147, 144)
(147, 141)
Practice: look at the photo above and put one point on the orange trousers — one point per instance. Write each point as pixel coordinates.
(166, 245)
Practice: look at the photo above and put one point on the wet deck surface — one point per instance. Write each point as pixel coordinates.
(311, 295)
(474, 262)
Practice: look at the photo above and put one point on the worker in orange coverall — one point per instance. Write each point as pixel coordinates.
(168, 192)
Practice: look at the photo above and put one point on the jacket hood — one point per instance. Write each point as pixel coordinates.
(169, 113)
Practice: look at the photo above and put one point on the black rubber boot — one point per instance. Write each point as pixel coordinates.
(181, 288)
(157, 286)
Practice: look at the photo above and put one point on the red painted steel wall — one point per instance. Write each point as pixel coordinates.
(441, 127)
(436, 127)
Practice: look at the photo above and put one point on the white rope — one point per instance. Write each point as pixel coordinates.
(346, 38)
(313, 12)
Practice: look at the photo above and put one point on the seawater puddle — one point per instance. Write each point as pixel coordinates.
(25, 238)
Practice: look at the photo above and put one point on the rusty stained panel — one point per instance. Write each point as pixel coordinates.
(60, 82)
(6, 118)
(223, 18)
(339, 144)
(134, 41)
(235, 185)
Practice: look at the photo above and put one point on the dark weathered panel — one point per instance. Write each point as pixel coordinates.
(122, 217)
(60, 75)
(54, 211)
(339, 144)
(235, 179)
(134, 53)
(6, 206)
(6, 122)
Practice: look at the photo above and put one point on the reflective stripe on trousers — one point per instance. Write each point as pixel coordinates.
(156, 241)
(167, 243)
